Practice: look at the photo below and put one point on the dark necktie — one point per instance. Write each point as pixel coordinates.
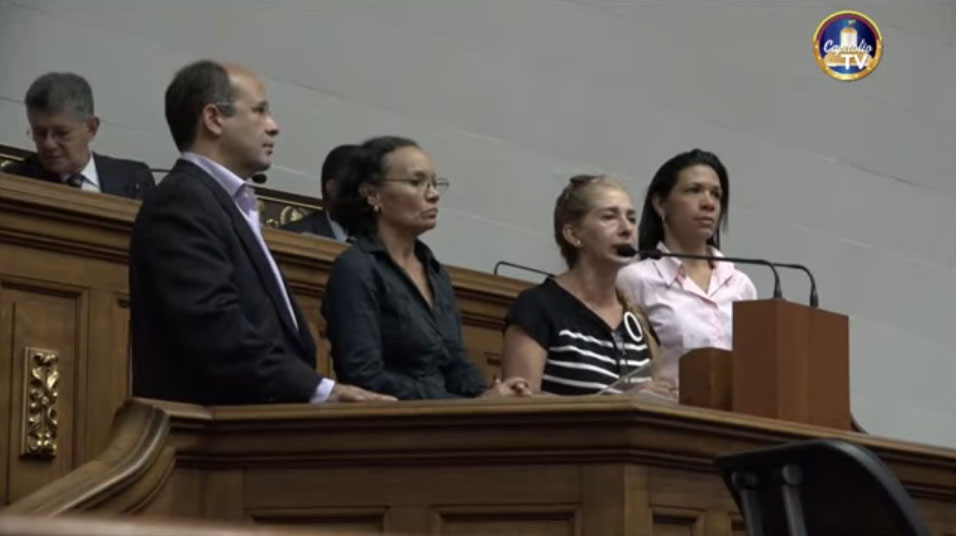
(75, 181)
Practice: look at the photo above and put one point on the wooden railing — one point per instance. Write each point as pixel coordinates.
(100, 526)
(588, 465)
(64, 313)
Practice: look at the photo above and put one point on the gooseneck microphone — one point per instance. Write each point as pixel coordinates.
(814, 300)
(499, 264)
(627, 250)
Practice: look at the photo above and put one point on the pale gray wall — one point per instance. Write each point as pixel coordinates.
(857, 180)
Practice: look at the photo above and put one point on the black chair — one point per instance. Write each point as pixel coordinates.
(822, 487)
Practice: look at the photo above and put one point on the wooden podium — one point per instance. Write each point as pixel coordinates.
(789, 362)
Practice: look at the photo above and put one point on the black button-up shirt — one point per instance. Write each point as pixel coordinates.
(385, 337)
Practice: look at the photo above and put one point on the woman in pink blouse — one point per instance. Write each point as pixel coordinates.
(689, 302)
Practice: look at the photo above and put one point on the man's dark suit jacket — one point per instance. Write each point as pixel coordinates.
(315, 223)
(127, 178)
(209, 325)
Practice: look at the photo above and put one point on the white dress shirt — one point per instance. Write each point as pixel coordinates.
(337, 229)
(91, 178)
(245, 198)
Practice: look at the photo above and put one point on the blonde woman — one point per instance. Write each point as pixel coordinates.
(574, 334)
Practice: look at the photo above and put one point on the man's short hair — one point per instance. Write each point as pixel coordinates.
(196, 85)
(61, 93)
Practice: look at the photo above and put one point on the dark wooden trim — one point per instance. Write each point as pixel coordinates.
(536, 432)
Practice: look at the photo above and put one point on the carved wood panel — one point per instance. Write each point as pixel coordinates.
(104, 384)
(483, 345)
(311, 305)
(41, 319)
(675, 522)
(692, 522)
(89, 316)
(40, 419)
(530, 520)
(434, 504)
(6, 391)
(673, 529)
(347, 520)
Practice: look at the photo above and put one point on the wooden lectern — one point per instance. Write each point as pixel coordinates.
(789, 362)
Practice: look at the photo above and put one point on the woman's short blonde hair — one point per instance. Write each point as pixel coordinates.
(575, 201)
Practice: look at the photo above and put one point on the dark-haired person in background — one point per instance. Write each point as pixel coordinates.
(323, 223)
(689, 302)
(62, 126)
(389, 306)
(213, 321)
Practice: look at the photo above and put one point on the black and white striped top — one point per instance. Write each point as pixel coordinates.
(585, 355)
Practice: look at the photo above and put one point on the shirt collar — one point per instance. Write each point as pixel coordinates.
(722, 270)
(90, 174)
(225, 178)
(337, 228)
(370, 243)
(668, 267)
(671, 267)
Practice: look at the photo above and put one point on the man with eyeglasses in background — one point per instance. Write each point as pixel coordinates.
(62, 125)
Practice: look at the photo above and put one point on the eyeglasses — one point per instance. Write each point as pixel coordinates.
(59, 135)
(440, 184)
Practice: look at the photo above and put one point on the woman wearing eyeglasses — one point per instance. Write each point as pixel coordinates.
(389, 306)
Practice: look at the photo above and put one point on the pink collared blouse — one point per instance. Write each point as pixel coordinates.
(684, 316)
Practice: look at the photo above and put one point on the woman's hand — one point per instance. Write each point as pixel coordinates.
(513, 386)
(656, 391)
